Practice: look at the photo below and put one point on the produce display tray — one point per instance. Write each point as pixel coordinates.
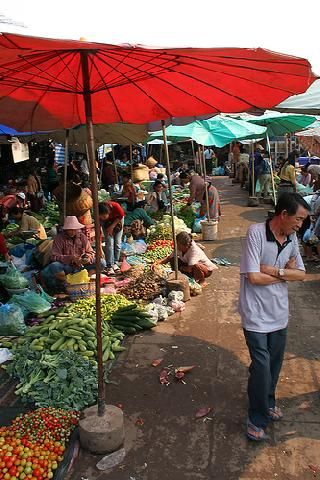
(7, 414)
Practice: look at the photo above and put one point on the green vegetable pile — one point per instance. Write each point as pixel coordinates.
(71, 331)
(158, 253)
(160, 231)
(64, 380)
(49, 215)
(132, 320)
(186, 213)
(109, 304)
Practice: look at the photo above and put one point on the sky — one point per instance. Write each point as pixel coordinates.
(277, 25)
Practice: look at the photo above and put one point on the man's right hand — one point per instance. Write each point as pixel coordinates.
(291, 263)
(76, 261)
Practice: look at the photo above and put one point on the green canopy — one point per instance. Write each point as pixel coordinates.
(278, 124)
(217, 131)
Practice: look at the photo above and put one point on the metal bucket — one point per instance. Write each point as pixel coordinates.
(209, 230)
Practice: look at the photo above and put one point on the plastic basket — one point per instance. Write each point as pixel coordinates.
(81, 290)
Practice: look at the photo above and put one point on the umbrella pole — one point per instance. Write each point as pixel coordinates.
(252, 174)
(204, 178)
(101, 170)
(114, 164)
(166, 152)
(193, 151)
(65, 171)
(271, 169)
(131, 160)
(94, 188)
(200, 161)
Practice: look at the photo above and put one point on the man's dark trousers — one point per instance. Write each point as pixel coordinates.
(266, 353)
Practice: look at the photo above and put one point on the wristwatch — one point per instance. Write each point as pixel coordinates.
(281, 272)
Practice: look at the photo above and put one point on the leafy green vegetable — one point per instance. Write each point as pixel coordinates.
(63, 379)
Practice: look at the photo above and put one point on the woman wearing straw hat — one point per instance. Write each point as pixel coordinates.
(71, 251)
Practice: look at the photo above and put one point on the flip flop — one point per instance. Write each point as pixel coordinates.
(256, 434)
(275, 414)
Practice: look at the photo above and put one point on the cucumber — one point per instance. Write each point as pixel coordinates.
(91, 345)
(37, 348)
(72, 332)
(118, 348)
(111, 355)
(82, 348)
(126, 323)
(57, 344)
(125, 329)
(127, 308)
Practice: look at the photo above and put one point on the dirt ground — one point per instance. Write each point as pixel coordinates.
(164, 440)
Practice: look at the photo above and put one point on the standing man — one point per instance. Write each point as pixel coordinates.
(208, 156)
(269, 260)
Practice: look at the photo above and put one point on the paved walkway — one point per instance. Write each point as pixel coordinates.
(164, 440)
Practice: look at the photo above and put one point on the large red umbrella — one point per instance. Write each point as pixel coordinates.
(48, 84)
(137, 84)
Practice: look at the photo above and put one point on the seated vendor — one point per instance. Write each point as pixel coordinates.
(26, 223)
(71, 251)
(157, 200)
(129, 192)
(138, 214)
(191, 259)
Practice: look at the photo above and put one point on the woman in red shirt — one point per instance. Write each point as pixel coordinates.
(111, 217)
(3, 249)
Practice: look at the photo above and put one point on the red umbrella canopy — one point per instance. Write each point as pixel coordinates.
(136, 84)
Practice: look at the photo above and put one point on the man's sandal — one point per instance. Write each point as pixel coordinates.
(256, 434)
(275, 414)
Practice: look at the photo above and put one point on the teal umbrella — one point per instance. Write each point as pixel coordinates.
(278, 124)
(218, 131)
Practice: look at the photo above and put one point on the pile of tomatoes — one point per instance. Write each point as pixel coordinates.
(160, 243)
(33, 446)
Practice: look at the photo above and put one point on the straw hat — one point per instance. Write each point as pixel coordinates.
(72, 223)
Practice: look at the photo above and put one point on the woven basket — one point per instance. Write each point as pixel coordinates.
(81, 290)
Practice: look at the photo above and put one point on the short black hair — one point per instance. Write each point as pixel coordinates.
(160, 176)
(156, 183)
(103, 208)
(290, 202)
(184, 175)
(15, 211)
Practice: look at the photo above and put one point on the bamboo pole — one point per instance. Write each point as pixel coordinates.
(131, 161)
(200, 160)
(252, 173)
(101, 170)
(193, 151)
(94, 189)
(114, 164)
(205, 181)
(166, 152)
(65, 172)
(271, 170)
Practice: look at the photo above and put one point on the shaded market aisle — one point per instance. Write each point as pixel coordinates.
(163, 437)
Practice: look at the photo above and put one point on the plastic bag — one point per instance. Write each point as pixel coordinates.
(125, 266)
(31, 301)
(44, 295)
(79, 277)
(196, 227)
(127, 248)
(13, 279)
(140, 246)
(11, 320)
(176, 296)
(5, 355)
(178, 306)
(19, 262)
